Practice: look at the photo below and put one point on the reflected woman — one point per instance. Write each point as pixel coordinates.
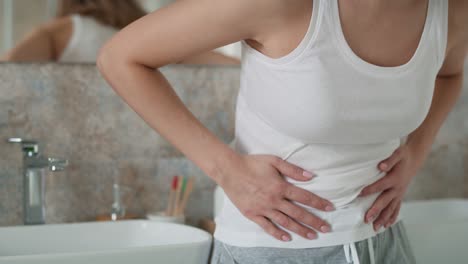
(82, 27)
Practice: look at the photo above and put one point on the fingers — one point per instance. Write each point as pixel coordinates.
(386, 181)
(301, 215)
(288, 223)
(394, 216)
(305, 197)
(271, 229)
(380, 185)
(387, 164)
(291, 170)
(385, 214)
(379, 204)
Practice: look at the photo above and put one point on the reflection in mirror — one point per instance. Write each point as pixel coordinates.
(72, 31)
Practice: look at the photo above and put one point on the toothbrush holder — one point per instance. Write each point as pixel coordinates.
(162, 217)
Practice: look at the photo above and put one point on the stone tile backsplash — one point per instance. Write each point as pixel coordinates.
(75, 115)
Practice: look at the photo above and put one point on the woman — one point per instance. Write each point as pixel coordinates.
(328, 99)
(82, 27)
(78, 31)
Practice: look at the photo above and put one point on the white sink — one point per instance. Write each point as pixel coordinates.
(438, 230)
(133, 241)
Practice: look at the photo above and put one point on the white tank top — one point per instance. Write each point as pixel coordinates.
(328, 111)
(87, 38)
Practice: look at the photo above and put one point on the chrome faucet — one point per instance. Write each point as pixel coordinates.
(35, 168)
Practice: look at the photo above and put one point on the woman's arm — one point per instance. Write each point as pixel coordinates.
(45, 43)
(447, 91)
(36, 46)
(183, 29)
(449, 80)
(211, 57)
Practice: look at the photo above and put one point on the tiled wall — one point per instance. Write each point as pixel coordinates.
(75, 115)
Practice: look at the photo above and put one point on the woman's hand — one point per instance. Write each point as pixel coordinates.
(256, 187)
(401, 167)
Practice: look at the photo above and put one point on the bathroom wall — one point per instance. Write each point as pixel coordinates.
(75, 115)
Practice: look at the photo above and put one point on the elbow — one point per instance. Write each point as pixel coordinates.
(107, 59)
(113, 60)
(112, 63)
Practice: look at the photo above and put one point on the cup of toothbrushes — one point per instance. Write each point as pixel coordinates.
(163, 217)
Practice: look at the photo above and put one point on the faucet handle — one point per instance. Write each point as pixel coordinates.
(29, 147)
(20, 140)
(57, 164)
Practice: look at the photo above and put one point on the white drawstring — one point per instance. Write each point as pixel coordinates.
(350, 246)
(354, 256)
(371, 250)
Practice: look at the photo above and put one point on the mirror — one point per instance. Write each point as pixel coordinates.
(49, 30)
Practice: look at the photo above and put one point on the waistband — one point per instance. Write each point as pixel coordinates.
(347, 226)
(354, 258)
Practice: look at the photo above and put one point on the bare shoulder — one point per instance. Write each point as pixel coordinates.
(252, 19)
(458, 10)
(51, 31)
(257, 16)
(458, 20)
(267, 16)
(457, 42)
(186, 28)
(57, 25)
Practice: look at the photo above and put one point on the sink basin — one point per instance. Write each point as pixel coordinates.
(132, 241)
(437, 230)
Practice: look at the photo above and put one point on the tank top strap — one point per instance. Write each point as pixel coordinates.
(77, 27)
(319, 5)
(77, 22)
(326, 11)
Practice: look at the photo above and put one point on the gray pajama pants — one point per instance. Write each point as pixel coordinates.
(390, 247)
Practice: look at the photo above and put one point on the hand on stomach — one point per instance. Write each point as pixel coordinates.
(254, 184)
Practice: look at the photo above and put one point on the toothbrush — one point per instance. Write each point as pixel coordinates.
(171, 195)
(177, 196)
(182, 193)
(187, 192)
